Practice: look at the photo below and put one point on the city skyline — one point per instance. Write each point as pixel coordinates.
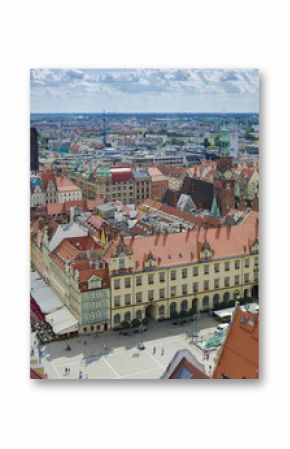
(136, 90)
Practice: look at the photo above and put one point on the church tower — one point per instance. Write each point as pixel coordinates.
(224, 182)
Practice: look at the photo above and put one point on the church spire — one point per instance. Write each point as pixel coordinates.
(215, 210)
(224, 142)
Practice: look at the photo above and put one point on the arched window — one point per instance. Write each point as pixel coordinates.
(139, 314)
(184, 305)
(172, 307)
(216, 299)
(236, 295)
(205, 301)
(226, 296)
(128, 317)
(117, 318)
(161, 310)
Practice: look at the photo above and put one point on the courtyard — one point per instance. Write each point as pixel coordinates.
(113, 356)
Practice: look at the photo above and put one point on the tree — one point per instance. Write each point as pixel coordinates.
(206, 143)
(135, 323)
(125, 324)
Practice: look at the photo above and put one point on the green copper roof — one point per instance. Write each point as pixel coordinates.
(215, 210)
(224, 141)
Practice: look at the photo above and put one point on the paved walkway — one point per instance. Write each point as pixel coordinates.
(112, 356)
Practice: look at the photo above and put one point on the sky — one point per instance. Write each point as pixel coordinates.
(144, 90)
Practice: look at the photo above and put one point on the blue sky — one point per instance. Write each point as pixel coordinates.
(144, 90)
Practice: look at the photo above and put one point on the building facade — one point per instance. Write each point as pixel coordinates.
(190, 271)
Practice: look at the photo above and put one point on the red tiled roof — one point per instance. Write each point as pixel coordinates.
(239, 357)
(46, 177)
(95, 221)
(184, 247)
(121, 174)
(55, 208)
(64, 184)
(34, 374)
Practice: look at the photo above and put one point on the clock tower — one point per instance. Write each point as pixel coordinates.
(224, 182)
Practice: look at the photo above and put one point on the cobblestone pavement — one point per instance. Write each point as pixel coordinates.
(113, 356)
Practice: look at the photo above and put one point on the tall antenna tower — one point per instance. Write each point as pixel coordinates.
(104, 129)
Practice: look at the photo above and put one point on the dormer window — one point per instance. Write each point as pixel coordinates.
(94, 282)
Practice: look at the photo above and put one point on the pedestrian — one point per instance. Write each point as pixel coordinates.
(154, 350)
(162, 351)
(80, 375)
(85, 343)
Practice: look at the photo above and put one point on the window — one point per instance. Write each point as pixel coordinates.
(184, 289)
(173, 275)
(216, 283)
(205, 301)
(216, 299)
(162, 276)
(237, 264)
(127, 282)
(161, 310)
(184, 273)
(195, 271)
(162, 293)
(227, 266)
(138, 280)
(127, 317)
(150, 295)
(127, 299)
(139, 314)
(172, 292)
(121, 263)
(117, 301)
(236, 295)
(226, 297)
(139, 297)
(116, 284)
(246, 277)
(206, 285)
(184, 305)
(172, 308)
(150, 278)
(183, 373)
(85, 329)
(237, 279)
(216, 267)
(92, 328)
(227, 282)
(206, 269)
(195, 287)
(247, 263)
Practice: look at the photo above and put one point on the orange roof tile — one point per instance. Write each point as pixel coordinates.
(184, 247)
(239, 357)
(64, 184)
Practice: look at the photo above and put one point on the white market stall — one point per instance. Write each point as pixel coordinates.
(62, 321)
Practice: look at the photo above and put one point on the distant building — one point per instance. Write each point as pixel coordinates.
(34, 163)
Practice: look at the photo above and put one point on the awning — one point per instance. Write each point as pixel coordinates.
(62, 321)
(46, 299)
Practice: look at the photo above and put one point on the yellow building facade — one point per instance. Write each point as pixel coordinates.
(159, 291)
